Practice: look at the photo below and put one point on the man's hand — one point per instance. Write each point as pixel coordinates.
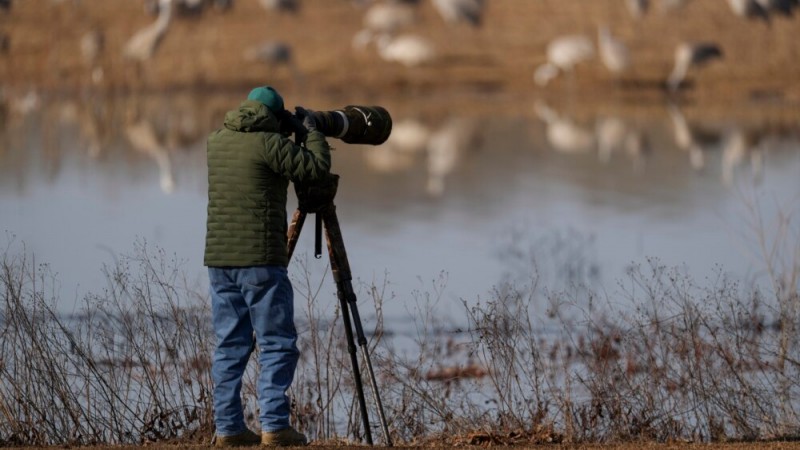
(292, 125)
(306, 117)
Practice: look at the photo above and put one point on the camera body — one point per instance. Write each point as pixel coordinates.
(353, 124)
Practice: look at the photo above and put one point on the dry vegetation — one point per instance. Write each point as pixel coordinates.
(548, 358)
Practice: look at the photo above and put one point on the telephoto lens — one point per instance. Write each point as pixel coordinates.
(356, 124)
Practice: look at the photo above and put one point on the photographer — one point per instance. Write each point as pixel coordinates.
(251, 161)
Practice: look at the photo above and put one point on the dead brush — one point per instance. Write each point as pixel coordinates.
(123, 370)
(547, 357)
(682, 366)
(664, 358)
(425, 407)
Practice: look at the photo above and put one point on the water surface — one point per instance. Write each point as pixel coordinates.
(82, 181)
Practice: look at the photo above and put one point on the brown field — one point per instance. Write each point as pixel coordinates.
(496, 60)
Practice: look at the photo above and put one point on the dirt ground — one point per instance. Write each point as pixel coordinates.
(41, 49)
(632, 446)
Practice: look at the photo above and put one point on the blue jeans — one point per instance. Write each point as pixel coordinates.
(248, 301)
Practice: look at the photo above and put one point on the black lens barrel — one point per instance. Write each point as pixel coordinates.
(330, 123)
(356, 124)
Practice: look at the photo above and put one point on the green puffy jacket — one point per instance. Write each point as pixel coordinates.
(250, 165)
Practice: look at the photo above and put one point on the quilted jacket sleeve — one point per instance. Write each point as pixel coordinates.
(297, 163)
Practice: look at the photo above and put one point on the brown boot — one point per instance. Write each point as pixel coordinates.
(244, 439)
(287, 437)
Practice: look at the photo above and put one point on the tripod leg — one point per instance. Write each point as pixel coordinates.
(340, 267)
(351, 348)
(362, 342)
(298, 219)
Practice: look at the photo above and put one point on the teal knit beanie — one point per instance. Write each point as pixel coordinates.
(268, 96)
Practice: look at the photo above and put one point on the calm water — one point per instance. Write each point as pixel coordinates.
(82, 181)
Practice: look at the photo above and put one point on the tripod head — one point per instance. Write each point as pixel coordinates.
(317, 197)
(313, 197)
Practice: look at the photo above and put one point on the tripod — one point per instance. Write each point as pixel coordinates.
(318, 199)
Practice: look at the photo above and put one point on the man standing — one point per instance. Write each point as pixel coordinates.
(250, 165)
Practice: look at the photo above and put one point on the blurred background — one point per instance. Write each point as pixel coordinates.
(530, 137)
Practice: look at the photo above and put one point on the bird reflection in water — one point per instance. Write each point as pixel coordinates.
(441, 148)
(617, 135)
(742, 147)
(563, 133)
(142, 137)
(610, 135)
(409, 139)
(446, 149)
(691, 139)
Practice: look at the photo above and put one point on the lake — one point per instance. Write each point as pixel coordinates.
(467, 198)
